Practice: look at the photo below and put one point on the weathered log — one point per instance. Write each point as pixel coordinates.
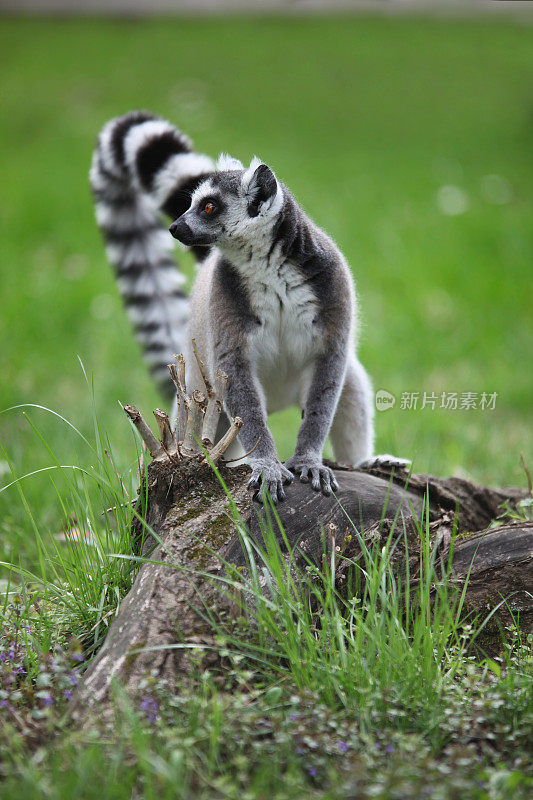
(186, 527)
(165, 615)
(499, 567)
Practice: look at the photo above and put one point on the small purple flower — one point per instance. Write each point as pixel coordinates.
(150, 706)
(48, 700)
(377, 746)
(73, 678)
(67, 694)
(77, 657)
(300, 751)
(313, 772)
(3, 704)
(343, 747)
(3, 656)
(389, 749)
(293, 717)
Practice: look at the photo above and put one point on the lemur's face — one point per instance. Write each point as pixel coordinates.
(233, 206)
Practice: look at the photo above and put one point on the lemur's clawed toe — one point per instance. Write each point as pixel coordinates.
(269, 475)
(311, 469)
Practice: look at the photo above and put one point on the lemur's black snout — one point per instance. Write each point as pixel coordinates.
(181, 231)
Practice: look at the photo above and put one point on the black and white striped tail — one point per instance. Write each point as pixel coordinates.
(143, 166)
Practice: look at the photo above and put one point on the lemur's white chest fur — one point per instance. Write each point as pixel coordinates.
(287, 340)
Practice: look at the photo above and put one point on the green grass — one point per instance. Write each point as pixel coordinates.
(366, 120)
(373, 690)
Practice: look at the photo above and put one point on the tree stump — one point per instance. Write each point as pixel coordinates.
(165, 616)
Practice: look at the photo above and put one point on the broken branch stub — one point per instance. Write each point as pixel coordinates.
(227, 440)
(203, 372)
(168, 439)
(214, 409)
(154, 447)
(177, 373)
(196, 423)
(193, 431)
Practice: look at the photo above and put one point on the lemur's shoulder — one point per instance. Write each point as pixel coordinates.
(313, 253)
(230, 296)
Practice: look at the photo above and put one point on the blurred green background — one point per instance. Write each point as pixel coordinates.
(410, 141)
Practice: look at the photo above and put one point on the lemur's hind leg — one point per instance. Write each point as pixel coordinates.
(352, 430)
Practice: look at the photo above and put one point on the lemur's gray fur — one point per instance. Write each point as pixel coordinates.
(273, 303)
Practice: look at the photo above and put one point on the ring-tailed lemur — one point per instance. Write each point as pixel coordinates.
(273, 303)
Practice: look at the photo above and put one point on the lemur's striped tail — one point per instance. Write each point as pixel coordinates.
(143, 166)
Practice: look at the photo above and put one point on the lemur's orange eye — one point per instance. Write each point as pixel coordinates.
(209, 208)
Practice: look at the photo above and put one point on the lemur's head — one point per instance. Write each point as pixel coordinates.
(232, 207)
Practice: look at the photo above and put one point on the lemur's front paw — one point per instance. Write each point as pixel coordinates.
(311, 468)
(269, 474)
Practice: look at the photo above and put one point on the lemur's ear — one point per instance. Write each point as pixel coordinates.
(261, 187)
